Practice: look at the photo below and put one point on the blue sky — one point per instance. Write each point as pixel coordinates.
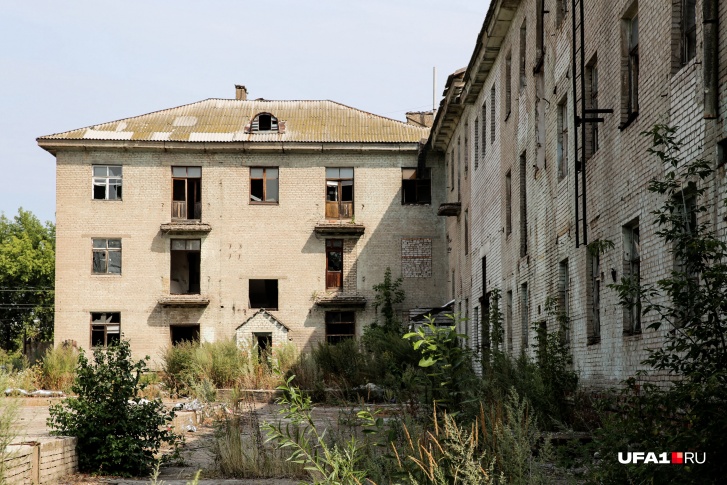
(66, 65)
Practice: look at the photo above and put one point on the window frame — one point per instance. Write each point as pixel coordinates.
(339, 191)
(339, 337)
(562, 140)
(632, 267)
(423, 183)
(334, 246)
(632, 107)
(106, 182)
(255, 123)
(264, 200)
(687, 33)
(111, 323)
(197, 214)
(105, 250)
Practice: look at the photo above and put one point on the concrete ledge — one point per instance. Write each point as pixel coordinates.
(41, 462)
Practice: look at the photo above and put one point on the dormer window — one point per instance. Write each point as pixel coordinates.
(264, 122)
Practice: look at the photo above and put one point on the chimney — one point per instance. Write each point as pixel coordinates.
(423, 119)
(240, 92)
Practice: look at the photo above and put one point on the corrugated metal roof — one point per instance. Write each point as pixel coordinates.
(224, 120)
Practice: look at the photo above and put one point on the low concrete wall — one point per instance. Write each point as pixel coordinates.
(41, 462)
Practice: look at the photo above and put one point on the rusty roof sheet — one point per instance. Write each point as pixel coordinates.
(225, 120)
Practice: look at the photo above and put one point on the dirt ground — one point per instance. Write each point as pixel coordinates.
(196, 452)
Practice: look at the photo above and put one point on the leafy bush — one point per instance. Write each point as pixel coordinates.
(117, 432)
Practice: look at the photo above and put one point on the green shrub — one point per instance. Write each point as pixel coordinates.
(117, 432)
(342, 364)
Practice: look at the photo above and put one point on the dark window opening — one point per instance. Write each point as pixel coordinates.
(508, 203)
(263, 294)
(187, 193)
(416, 186)
(562, 141)
(185, 267)
(264, 122)
(594, 269)
(184, 333)
(632, 271)
(339, 193)
(340, 326)
(508, 84)
(592, 103)
(334, 263)
(264, 185)
(523, 56)
(105, 329)
(523, 207)
(524, 315)
(632, 104)
(107, 182)
(688, 30)
(264, 342)
(722, 153)
(106, 256)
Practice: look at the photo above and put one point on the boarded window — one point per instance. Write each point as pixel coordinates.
(263, 294)
(264, 185)
(416, 186)
(340, 326)
(185, 265)
(106, 256)
(105, 329)
(416, 258)
(339, 193)
(186, 193)
(334, 263)
(107, 182)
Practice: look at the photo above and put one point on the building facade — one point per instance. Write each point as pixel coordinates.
(507, 129)
(262, 220)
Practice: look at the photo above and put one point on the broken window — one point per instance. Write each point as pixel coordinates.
(688, 30)
(562, 155)
(416, 186)
(592, 103)
(107, 182)
(186, 192)
(264, 122)
(105, 329)
(339, 193)
(523, 56)
(264, 342)
(106, 256)
(263, 294)
(632, 271)
(340, 326)
(264, 185)
(184, 333)
(185, 267)
(334, 263)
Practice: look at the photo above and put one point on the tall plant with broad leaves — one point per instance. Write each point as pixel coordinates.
(689, 310)
(388, 295)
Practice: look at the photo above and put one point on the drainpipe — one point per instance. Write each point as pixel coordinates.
(711, 27)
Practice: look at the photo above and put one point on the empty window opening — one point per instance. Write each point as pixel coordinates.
(688, 30)
(592, 103)
(106, 256)
(564, 297)
(508, 84)
(185, 267)
(263, 294)
(187, 193)
(184, 333)
(632, 272)
(416, 186)
(339, 193)
(630, 68)
(477, 143)
(340, 326)
(107, 182)
(264, 185)
(523, 207)
(508, 319)
(334, 263)
(508, 203)
(562, 155)
(492, 115)
(594, 270)
(105, 329)
(523, 56)
(459, 167)
(264, 343)
(524, 315)
(466, 232)
(451, 169)
(264, 122)
(722, 152)
(466, 149)
(484, 131)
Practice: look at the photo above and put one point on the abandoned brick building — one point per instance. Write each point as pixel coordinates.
(264, 220)
(521, 209)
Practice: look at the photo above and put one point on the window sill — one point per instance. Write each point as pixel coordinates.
(415, 204)
(107, 275)
(266, 309)
(629, 120)
(108, 200)
(594, 340)
(254, 202)
(632, 333)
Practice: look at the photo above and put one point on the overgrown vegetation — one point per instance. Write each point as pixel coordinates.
(687, 308)
(8, 418)
(55, 371)
(118, 432)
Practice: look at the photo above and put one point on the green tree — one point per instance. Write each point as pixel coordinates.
(27, 277)
(118, 432)
(388, 295)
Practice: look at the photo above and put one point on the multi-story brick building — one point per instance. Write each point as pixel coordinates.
(265, 220)
(507, 129)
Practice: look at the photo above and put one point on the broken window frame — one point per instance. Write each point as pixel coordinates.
(109, 325)
(104, 249)
(264, 123)
(267, 285)
(688, 30)
(185, 174)
(194, 285)
(270, 177)
(340, 325)
(339, 178)
(334, 277)
(108, 177)
(422, 186)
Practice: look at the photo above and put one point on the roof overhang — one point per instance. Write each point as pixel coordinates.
(464, 88)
